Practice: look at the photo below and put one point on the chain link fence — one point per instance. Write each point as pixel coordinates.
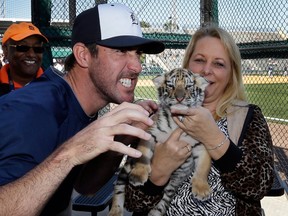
(260, 28)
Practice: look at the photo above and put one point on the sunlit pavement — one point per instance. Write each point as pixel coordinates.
(275, 206)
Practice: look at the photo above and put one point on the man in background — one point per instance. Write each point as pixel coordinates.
(23, 47)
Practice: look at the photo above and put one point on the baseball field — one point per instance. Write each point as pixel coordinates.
(147, 80)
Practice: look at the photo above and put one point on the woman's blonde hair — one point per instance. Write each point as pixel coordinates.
(235, 88)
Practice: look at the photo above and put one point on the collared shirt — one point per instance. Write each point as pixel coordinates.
(7, 84)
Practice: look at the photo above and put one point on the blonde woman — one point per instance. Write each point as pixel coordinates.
(234, 132)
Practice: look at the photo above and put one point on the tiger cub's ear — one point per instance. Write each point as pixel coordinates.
(159, 80)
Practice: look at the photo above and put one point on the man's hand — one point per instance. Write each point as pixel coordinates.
(98, 137)
(151, 107)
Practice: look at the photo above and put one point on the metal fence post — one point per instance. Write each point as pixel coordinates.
(208, 12)
(41, 17)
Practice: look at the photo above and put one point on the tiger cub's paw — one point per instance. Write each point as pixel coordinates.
(115, 211)
(155, 212)
(200, 189)
(139, 174)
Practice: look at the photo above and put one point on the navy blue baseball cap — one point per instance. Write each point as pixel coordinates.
(112, 25)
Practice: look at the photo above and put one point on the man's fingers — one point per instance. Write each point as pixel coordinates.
(149, 105)
(126, 150)
(124, 106)
(124, 129)
(127, 116)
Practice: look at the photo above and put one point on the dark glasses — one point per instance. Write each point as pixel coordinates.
(24, 48)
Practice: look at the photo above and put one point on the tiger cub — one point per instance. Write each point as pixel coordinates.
(179, 88)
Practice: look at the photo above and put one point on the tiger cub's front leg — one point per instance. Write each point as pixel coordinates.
(200, 187)
(142, 167)
(117, 207)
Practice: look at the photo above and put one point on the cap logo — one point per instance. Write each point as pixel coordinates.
(134, 19)
(31, 28)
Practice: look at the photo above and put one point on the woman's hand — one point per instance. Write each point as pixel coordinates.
(168, 157)
(199, 123)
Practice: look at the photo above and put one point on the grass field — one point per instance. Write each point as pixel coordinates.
(271, 94)
(272, 98)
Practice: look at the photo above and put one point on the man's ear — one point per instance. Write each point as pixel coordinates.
(82, 54)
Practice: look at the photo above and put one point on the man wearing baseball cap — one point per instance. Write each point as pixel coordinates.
(22, 45)
(113, 26)
(55, 139)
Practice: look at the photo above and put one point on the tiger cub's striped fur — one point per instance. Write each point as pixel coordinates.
(179, 88)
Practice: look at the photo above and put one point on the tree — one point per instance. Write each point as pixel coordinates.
(144, 24)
